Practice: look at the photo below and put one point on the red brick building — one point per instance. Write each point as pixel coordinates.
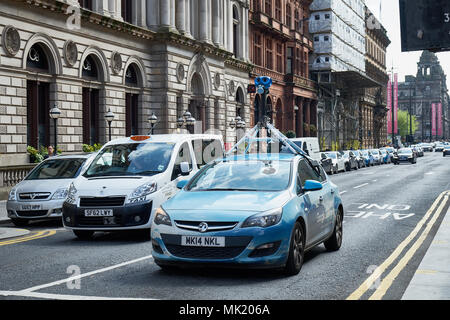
(279, 48)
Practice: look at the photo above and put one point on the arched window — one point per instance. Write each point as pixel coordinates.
(132, 98)
(240, 102)
(38, 99)
(90, 69)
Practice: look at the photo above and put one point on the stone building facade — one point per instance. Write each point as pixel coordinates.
(134, 58)
(280, 45)
(417, 94)
(373, 104)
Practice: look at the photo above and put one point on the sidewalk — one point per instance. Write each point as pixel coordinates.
(3, 214)
(6, 233)
(432, 279)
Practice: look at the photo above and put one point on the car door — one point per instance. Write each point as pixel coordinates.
(340, 161)
(316, 202)
(183, 154)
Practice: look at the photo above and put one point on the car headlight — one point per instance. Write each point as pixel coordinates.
(144, 190)
(161, 217)
(60, 194)
(71, 194)
(12, 195)
(265, 219)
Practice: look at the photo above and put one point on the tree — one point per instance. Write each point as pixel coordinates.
(404, 123)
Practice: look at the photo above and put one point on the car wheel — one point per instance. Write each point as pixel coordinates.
(84, 234)
(335, 241)
(20, 222)
(296, 251)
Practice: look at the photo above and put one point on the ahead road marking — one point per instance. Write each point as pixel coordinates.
(387, 282)
(363, 185)
(367, 284)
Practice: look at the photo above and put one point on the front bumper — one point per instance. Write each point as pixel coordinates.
(402, 159)
(125, 217)
(51, 209)
(240, 247)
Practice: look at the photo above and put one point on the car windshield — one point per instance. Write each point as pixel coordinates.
(374, 151)
(57, 169)
(365, 153)
(144, 159)
(251, 175)
(405, 150)
(332, 155)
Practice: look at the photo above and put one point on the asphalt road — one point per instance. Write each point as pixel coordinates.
(383, 206)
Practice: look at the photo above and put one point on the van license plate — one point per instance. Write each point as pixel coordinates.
(194, 241)
(98, 213)
(31, 207)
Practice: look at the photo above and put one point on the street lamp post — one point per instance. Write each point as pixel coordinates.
(153, 120)
(109, 116)
(55, 113)
(187, 120)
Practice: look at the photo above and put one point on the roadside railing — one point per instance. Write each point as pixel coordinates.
(12, 175)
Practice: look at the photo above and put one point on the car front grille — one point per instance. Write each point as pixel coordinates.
(30, 214)
(204, 253)
(102, 202)
(34, 196)
(99, 221)
(212, 226)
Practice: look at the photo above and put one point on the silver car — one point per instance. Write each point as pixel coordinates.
(43, 191)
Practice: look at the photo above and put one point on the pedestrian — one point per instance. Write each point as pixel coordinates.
(50, 152)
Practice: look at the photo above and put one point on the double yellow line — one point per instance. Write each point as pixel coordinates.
(389, 279)
(34, 236)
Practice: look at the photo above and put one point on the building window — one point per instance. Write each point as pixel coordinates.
(317, 17)
(269, 54)
(278, 10)
(258, 50)
(298, 62)
(86, 4)
(91, 101)
(38, 120)
(279, 57)
(289, 60)
(316, 39)
(327, 16)
(268, 7)
(326, 38)
(288, 16)
(127, 7)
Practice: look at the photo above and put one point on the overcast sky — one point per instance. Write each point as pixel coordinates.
(404, 63)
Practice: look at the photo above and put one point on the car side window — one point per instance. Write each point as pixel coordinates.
(184, 155)
(307, 172)
(206, 150)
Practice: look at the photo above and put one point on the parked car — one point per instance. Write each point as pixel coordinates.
(439, 147)
(258, 210)
(360, 159)
(427, 147)
(405, 155)
(377, 157)
(131, 177)
(446, 151)
(350, 160)
(385, 156)
(338, 161)
(42, 193)
(368, 157)
(310, 146)
(327, 163)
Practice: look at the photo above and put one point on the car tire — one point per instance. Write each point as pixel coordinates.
(20, 222)
(84, 234)
(296, 251)
(335, 241)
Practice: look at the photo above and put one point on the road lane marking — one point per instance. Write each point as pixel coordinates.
(367, 284)
(390, 278)
(52, 296)
(35, 236)
(343, 192)
(363, 185)
(88, 274)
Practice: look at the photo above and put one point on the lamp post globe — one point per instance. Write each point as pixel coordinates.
(153, 120)
(55, 113)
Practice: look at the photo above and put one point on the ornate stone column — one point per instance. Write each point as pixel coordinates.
(180, 20)
(215, 22)
(203, 18)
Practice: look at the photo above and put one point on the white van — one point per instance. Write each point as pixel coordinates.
(131, 177)
(310, 146)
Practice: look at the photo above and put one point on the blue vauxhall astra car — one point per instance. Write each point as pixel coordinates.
(257, 210)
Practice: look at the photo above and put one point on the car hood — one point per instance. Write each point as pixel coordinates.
(110, 186)
(47, 185)
(222, 205)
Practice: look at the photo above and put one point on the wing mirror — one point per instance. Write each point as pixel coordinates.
(312, 185)
(181, 184)
(185, 169)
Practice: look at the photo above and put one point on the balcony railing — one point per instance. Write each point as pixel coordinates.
(300, 81)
